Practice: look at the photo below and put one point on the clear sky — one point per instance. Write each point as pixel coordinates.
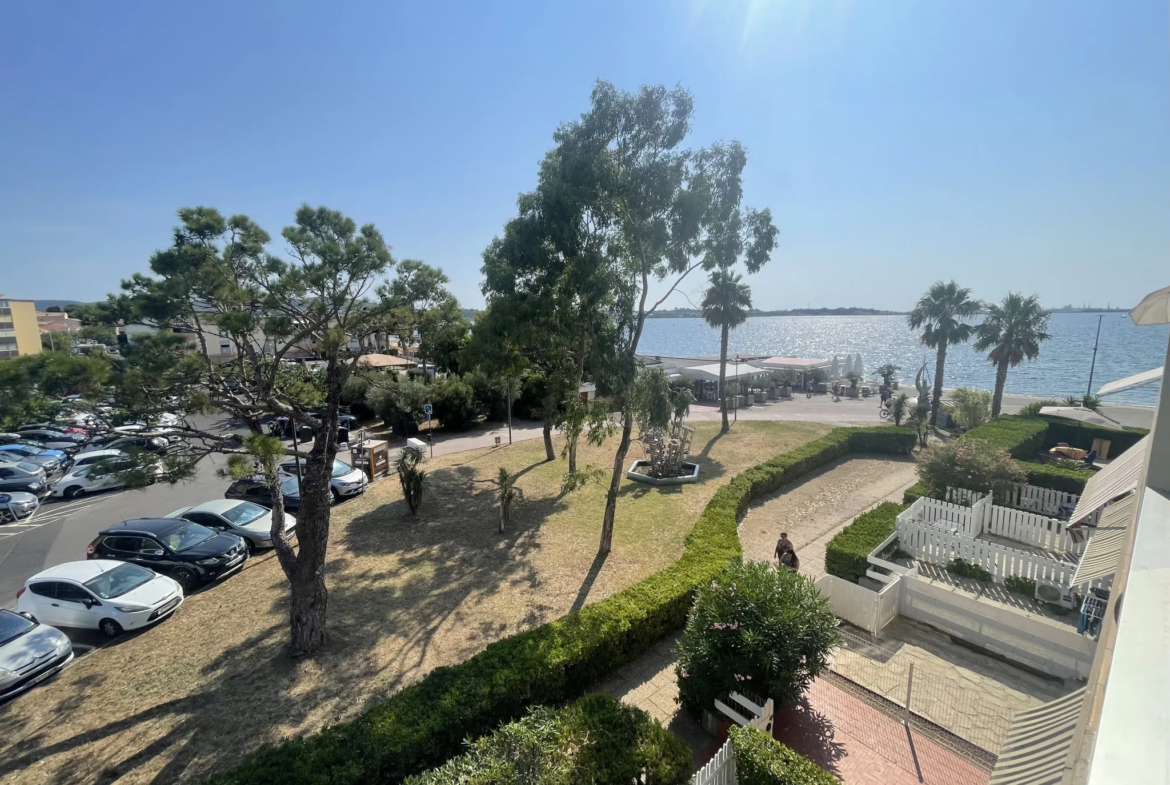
(1005, 143)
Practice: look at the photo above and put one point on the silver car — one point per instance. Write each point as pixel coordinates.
(30, 652)
(17, 505)
(246, 519)
(344, 480)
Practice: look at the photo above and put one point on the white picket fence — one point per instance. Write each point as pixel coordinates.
(720, 770)
(931, 544)
(1042, 501)
(983, 517)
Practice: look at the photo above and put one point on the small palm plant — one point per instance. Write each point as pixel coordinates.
(508, 494)
(412, 477)
(898, 409)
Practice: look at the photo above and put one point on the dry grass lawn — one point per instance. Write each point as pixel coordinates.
(201, 690)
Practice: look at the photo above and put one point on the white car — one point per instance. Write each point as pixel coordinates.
(246, 519)
(29, 653)
(103, 476)
(344, 480)
(99, 594)
(96, 456)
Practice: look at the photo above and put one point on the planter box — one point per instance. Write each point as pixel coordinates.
(759, 395)
(638, 468)
(773, 394)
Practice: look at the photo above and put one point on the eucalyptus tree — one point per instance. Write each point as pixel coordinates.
(941, 314)
(217, 284)
(1012, 330)
(418, 301)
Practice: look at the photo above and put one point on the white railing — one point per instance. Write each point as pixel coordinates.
(946, 516)
(923, 541)
(720, 770)
(1038, 531)
(1043, 501)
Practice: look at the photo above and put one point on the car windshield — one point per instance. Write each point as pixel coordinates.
(118, 581)
(12, 625)
(31, 468)
(243, 513)
(290, 488)
(187, 536)
(340, 468)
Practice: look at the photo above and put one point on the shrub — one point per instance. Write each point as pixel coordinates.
(761, 760)
(971, 408)
(1045, 475)
(754, 630)
(454, 404)
(425, 724)
(598, 739)
(975, 465)
(1020, 585)
(400, 404)
(1033, 409)
(914, 493)
(1022, 437)
(847, 553)
(411, 477)
(898, 408)
(490, 395)
(529, 405)
(355, 396)
(965, 569)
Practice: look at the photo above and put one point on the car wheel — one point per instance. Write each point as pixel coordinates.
(7, 516)
(110, 628)
(336, 496)
(186, 579)
(73, 491)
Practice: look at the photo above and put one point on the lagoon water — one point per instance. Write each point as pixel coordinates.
(1062, 368)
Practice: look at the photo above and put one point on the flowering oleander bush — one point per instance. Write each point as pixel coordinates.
(757, 631)
(974, 465)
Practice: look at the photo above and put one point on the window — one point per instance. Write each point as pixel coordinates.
(225, 347)
(118, 581)
(186, 536)
(7, 474)
(244, 513)
(124, 544)
(43, 589)
(206, 519)
(71, 593)
(12, 626)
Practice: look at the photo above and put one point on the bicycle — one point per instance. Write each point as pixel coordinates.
(884, 412)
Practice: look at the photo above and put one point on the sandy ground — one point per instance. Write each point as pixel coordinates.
(194, 694)
(812, 510)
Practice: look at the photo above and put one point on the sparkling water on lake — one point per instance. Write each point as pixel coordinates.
(1061, 369)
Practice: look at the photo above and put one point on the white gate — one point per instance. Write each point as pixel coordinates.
(720, 770)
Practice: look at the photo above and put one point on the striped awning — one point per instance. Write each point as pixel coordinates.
(1121, 475)
(1103, 551)
(1038, 743)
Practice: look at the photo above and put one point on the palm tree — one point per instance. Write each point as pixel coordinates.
(1012, 331)
(725, 305)
(940, 312)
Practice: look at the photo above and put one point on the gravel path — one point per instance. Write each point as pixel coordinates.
(819, 506)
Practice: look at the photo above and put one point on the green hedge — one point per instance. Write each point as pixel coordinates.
(1044, 475)
(1080, 435)
(914, 493)
(424, 724)
(761, 760)
(847, 553)
(1022, 437)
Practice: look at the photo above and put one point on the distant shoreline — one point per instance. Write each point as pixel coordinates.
(694, 313)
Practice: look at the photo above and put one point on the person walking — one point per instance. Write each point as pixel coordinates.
(790, 560)
(782, 545)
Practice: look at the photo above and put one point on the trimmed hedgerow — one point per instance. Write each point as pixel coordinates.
(761, 760)
(425, 724)
(1044, 475)
(847, 553)
(1022, 437)
(914, 493)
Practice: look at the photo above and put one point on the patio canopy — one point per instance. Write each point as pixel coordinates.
(1121, 476)
(1080, 414)
(1103, 552)
(386, 361)
(1038, 743)
(792, 363)
(710, 373)
(1132, 382)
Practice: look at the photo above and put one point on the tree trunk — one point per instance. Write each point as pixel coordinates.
(1000, 379)
(574, 435)
(549, 453)
(723, 379)
(573, 452)
(936, 398)
(615, 483)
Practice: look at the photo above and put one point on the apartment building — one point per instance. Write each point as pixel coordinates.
(19, 333)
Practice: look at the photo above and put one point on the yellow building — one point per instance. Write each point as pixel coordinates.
(19, 332)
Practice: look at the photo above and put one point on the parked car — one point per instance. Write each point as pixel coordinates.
(246, 519)
(27, 453)
(90, 457)
(17, 506)
(155, 444)
(30, 652)
(191, 554)
(55, 440)
(255, 489)
(99, 594)
(344, 479)
(103, 476)
(24, 478)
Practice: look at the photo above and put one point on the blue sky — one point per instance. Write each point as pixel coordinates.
(1007, 144)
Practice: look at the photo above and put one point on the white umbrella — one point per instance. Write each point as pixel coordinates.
(1153, 309)
(1132, 382)
(858, 368)
(848, 365)
(1080, 414)
(834, 369)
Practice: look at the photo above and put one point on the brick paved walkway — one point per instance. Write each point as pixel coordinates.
(861, 745)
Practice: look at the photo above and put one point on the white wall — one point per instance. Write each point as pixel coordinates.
(1048, 646)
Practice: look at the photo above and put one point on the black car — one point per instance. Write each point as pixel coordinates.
(191, 554)
(255, 489)
(117, 441)
(69, 442)
(27, 477)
